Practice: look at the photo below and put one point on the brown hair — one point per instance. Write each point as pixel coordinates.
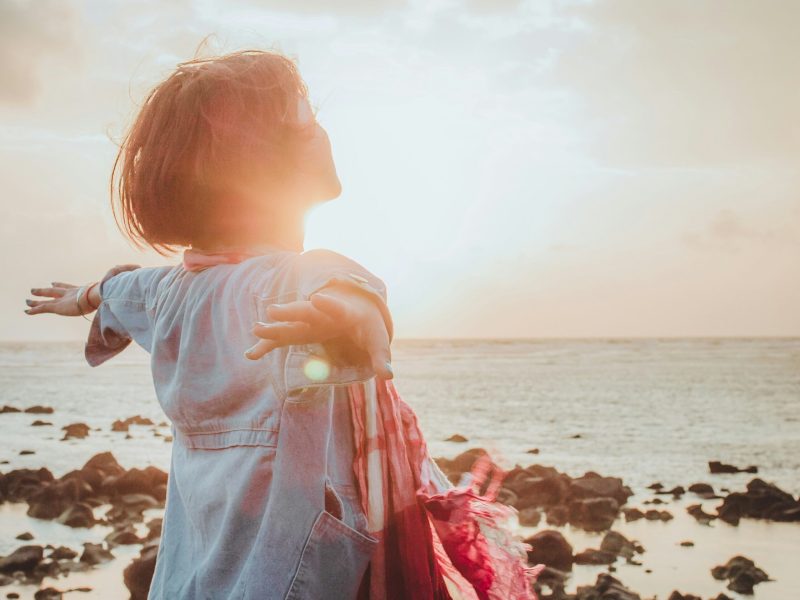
(212, 122)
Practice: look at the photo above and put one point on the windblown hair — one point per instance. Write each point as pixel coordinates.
(211, 123)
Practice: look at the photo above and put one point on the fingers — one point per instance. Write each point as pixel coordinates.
(276, 335)
(284, 334)
(51, 292)
(301, 310)
(376, 343)
(61, 284)
(334, 308)
(261, 348)
(37, 307)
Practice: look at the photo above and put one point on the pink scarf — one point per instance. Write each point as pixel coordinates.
(436, 541)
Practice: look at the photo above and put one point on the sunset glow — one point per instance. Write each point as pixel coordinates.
(510, 169)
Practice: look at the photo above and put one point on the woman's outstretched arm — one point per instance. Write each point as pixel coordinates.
(69, 300)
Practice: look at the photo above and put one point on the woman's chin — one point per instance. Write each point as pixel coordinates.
(331, 191)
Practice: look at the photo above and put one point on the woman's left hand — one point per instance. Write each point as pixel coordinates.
(64, 299)
(337, 311)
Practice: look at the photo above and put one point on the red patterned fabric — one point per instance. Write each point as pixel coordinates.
(436, 540)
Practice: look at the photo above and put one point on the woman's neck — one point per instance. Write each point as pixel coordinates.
(287, 233)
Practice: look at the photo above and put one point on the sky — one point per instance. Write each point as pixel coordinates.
(510, 168)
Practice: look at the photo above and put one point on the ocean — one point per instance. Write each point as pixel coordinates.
(645, 410)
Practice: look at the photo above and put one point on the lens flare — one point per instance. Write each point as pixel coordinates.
(316, 369)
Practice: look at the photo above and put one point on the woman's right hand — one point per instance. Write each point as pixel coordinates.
(64, 300)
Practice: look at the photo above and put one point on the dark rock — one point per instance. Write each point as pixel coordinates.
(139, 573)
(532, 451)
(25, 537)
(24, 558)
(18, 485)
(122, 425)
(40, 410)
(550, 548)
(678, 490)
(39, 423)
(730, 510)
(529, 517)
(138, 481)
(63, 553)
(9, 409)
(557, 516)
(655, 486)
(457, 437)
(687, 543)
(591, 556)
(703, 490)
(657, 515)
(702, 517)
(676, 595)
(94, 554)
(26, 452)
(654, 501)
(154, 528)
(106, 463)
(123, 537)
(507, 497)
(50, 501)
(461, 463)
(554, 580)
(616, 543)
(97, 469)
(75, 430)
(139, 501)
(606, 588)
(716, 467)
(593, 514)
(78, 515)
(48, 594)
(762, 500)
(593, 485)
(742, 574)
(632, 514)
(538, 491)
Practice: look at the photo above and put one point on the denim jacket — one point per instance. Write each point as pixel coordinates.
(261, 499)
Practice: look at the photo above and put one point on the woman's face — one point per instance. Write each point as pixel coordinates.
(317, 179)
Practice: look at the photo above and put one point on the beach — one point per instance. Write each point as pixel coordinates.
(645, 410)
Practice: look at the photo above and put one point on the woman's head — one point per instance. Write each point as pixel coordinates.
(220, 150)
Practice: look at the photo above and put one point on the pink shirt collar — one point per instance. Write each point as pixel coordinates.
(196, 260)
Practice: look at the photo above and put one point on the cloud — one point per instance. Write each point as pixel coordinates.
(342, 7)
(686, 82)
(35, 36)
(728, 231)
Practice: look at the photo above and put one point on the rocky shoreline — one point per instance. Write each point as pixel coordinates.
(591, 502)
(594, 502)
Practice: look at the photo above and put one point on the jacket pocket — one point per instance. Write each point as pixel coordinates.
(333, 561)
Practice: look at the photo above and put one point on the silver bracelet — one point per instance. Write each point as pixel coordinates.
(81, 292)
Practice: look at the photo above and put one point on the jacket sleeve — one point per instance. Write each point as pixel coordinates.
(125, 313)
(314, 365)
